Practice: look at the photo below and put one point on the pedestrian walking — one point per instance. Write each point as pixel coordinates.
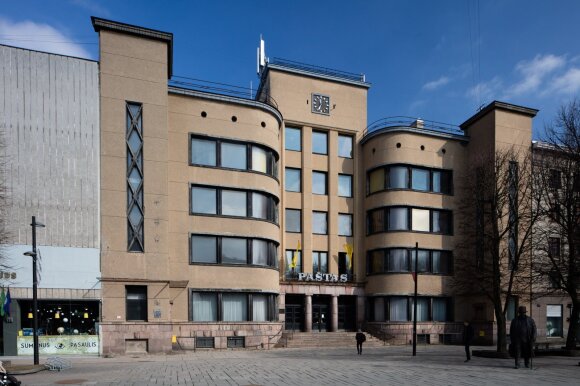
(360, 338)
(523, 336)
(468, 334)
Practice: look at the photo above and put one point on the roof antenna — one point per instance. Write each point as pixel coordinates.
(261, 56)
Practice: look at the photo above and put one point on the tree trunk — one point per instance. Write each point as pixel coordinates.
(501, 331)
(573, 326)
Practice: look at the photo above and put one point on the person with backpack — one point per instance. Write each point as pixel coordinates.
(360, 338)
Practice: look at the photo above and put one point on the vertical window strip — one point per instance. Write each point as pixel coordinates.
(135, 210)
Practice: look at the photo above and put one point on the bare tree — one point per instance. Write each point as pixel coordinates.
(496, 227)
(557, 241)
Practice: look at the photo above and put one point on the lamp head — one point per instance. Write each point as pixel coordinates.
(29, 253)
(39, 224)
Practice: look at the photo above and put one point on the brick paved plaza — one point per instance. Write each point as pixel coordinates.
(434, 365)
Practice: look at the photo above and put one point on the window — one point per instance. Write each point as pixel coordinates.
(204, 249)
(293, 220)
(555, 179)
(410, 177)
(204, 200)
(135, 208)
(236, 342)
(442, 222)
(376, 180)
(216, 152)
(554, 247)
(422, 309)
(398, 177)
(554, 321)
(209, 249)
(136, 302)
(208, 200)
(377, 221)
(440, 309)
(400, 308)
(512, 305)
(420, 220)
(395, 260)
(203, 152)
(319, 262)
(345, 224)
(344, 265)
(234, 203)
(320, 223)
(345, 146)
(293, 263)
(319, 142)
(232, 306)
(420, 179)
(398, 219)
(204, 342)
(292, 180)
(204, 306)
(345, 185)
(319, 183)
(293, 139)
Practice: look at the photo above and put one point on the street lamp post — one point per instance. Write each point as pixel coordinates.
(34, 256)
(416, 277)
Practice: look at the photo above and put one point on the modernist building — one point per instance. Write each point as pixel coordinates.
(226, 221)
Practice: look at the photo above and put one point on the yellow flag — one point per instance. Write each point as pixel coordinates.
(348, 248)
(295, 256)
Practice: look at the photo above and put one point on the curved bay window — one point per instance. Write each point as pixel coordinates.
(403, 218)
(213, 200)
(210, 249)
(232, 154)
(402, 260)
(409, 177)
(400, 309)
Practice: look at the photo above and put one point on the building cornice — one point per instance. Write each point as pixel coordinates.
(497, 105)
(413, 130)
(311, 74)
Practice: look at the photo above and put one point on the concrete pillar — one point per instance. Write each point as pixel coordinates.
(334, 313)
(308, 314)
(360, 311)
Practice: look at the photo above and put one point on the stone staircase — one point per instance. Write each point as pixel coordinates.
(291, 339)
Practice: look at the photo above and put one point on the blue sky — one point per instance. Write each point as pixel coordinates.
(437, 60)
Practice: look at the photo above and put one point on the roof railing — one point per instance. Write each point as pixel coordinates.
(417, 123)
(317, 69)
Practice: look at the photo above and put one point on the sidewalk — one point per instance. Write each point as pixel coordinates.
(433, 365)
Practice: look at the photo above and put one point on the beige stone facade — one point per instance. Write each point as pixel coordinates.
(242, 202)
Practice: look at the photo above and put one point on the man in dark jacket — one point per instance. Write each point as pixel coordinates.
(523, 336)
(360, 338)
(467, 338)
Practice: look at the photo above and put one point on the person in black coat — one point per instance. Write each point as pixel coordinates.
(360, 338)
(523, 336)
(468, 334)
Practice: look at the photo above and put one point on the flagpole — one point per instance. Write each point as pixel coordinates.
(416, 277)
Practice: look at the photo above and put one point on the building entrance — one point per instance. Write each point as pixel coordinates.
(320, 314)
(347, 313)
(294, 312)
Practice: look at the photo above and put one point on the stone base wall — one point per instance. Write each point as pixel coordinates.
(401, 333)
(123, 338)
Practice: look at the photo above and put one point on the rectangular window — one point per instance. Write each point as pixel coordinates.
(554, 247)
(377, 261)
(442, 181)
(398, 260)
(442, 222)
(236, 342)
(345, 185)
(293, 220)
(233, 155)
(204, 249)
(345, 224)
(135, 205)
(320, 223)
(234, 250)
(345, 146)
(420, 179)
(512, 304)
(344, 266)
(319, 142)
(441, 262)
(260, 251)
(554, 321)
(204, 307)
(398, 219)
(422, 309)
(293, 263)
(379, 309)
(292, 139)
(319, 262)
(292, 180)
(420, 220)
(204, 342)
(555, 179)
(136, 302)
(440, 310)
(259, 308)
(398, 177)
(260, 206)
(398, 309)
(259, 159)
(377, 221)
(423, 262)
(203, 152)
(319, 183)
(234, 203)
(234, 307)
(203, 200)
(376, 180)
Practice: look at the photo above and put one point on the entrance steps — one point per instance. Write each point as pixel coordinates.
(291, 339)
